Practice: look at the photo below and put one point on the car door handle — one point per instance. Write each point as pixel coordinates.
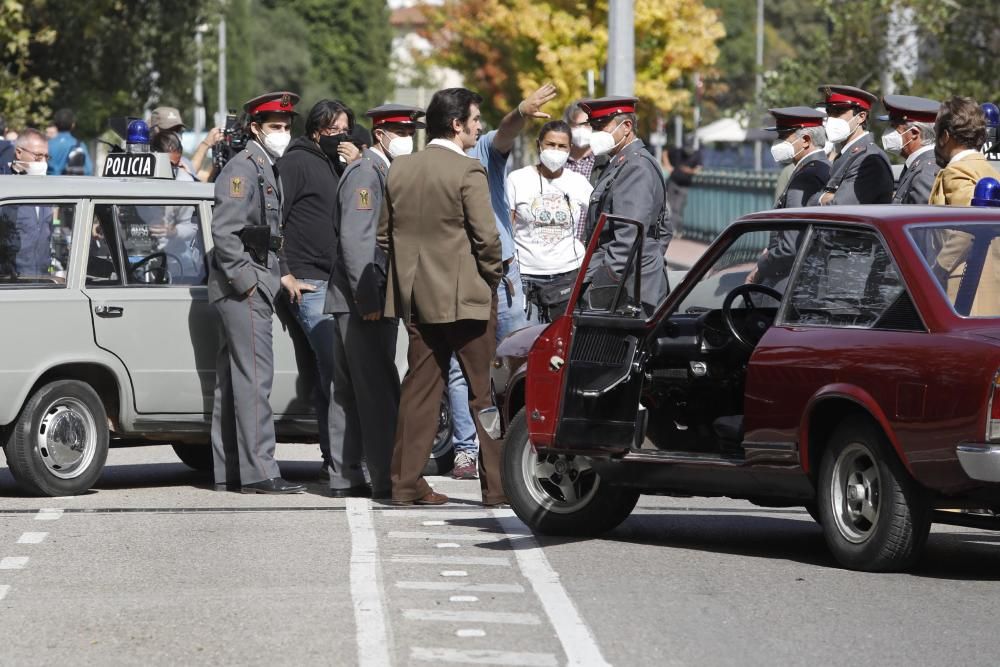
(109, 311)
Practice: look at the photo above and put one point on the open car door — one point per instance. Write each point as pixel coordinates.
(584, 371)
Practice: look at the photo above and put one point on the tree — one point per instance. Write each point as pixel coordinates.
(23, 94)
(507, 48)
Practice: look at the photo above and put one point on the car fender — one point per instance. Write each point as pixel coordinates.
(861, 399)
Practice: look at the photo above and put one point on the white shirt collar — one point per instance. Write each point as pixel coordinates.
(917, 153)
(961, 156)
(449, 144)
(381, 155)
(852, 142)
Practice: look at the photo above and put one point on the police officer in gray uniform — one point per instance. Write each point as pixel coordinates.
(861, 174)
(912, 136)
(364, 397)
(631, 186)
(244, 280)
(801, 139)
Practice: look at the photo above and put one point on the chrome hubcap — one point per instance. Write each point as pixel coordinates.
(66, 440)
(856, 492)
(560, 484)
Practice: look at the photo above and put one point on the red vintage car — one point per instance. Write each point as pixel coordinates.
(859, 378)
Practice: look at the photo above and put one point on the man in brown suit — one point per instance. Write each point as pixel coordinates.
(445, 265)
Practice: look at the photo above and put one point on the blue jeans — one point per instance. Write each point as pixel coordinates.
(510, 318)
(319, 329)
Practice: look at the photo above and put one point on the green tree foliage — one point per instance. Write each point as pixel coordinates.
(23, 94)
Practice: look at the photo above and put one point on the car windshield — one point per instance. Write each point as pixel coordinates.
(965, 261)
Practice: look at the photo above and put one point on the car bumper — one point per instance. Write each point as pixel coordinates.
(980, 462)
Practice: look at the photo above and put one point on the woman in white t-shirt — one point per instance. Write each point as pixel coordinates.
(547, 205)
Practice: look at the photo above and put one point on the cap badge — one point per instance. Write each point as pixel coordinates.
(286, 100)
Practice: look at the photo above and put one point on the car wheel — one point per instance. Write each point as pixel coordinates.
(442, 458)
(813, 510)
(59, 443)
(875, 517)
(559, 494)
(196, 457)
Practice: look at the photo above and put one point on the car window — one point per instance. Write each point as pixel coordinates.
(745, 260)
(35, 240)
(965, 262)
(147, 244)
(847, 279)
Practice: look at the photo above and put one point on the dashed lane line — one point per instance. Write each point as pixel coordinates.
(13, 562)
(372, 631)
(454, 573)
(4, 589)
(447, 545)
(482, 657)
(577, 640)
(48, 514)
(451, 586)
(463, 598)
(447, 616)
(470, 632)
(32, 538)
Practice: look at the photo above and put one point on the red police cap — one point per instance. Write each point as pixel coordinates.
(795, 118)
(603, 107)
(395, 114)
(903, 108)
(839, 96)
(279, 102)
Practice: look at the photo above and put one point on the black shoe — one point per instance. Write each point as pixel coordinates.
(324, 471)
(273, 485)
(382, 494)
(359, 491)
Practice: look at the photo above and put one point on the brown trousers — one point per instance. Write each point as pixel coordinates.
(429, 357)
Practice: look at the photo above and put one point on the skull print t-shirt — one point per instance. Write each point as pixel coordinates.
(545, 212)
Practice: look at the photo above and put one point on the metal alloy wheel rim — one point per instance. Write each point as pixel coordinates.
(66, 439)
(560, 484)
(856, 493)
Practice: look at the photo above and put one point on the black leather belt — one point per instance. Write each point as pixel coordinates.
(276, 243)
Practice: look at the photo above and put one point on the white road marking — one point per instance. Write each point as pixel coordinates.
(459, 586)
(447, 545)
(372, 631)
(463, 598)
(4, 588)
(444, 615)
(13, 562)
(454, 573)
(576, 638)
(470, 632)
(32, 538)
(450, 560)
(433, 523)
(458, 537)
(482, 657)
(48, 514)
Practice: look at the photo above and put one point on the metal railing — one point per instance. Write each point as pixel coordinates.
(717, 198)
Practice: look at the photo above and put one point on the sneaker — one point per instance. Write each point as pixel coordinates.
(465, 467)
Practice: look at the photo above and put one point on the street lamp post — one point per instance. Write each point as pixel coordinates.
(759, 83)
(621, 48)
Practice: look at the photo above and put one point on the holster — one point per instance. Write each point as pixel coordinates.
(257, 241)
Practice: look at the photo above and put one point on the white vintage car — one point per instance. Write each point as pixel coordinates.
(107, 333)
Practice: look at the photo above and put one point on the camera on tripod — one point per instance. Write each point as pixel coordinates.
(234, 139)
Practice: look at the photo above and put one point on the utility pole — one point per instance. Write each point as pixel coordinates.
(621, 48)
(223, 105)
(199, 91)
(759, 84)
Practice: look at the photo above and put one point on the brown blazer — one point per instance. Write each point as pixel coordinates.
(438, 227)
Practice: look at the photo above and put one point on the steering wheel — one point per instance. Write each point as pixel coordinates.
(755, 323)
(161, 255)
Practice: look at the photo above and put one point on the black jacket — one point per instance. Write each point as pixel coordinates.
(309, 204)
(6, 155)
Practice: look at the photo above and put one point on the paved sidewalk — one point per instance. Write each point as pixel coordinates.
(683, 253)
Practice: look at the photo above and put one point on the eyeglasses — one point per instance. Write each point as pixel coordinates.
(38, 156)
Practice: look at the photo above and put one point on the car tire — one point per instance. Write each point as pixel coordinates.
(194, 456)
(59, 444)
(442, 458)
(875, 517)
(539, 494)
(813, 510)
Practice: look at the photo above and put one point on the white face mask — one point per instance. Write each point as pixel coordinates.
(783, 152)
(602, 143)
(892, 142)
(837, 129)
(399, 146)
(829, 148)
(553, 158)
(581, 136)
(36, 168)
(276, 142)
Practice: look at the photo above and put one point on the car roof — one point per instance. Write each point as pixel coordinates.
(882, 216)
(21, 187)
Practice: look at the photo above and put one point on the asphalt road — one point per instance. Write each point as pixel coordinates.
(154, 568)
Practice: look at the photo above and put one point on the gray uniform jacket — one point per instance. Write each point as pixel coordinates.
(232, 271)
(353, 285)
(809, 177)
(631, 186)
(916, 181)
(862, 175)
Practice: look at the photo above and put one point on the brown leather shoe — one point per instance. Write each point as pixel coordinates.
(430, 499)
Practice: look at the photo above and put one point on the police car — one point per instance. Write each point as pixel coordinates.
(108, 333)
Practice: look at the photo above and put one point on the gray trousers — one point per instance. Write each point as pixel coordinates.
(364, 401)
(242, 422)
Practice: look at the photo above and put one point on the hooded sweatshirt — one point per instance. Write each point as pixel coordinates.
(309, 204)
